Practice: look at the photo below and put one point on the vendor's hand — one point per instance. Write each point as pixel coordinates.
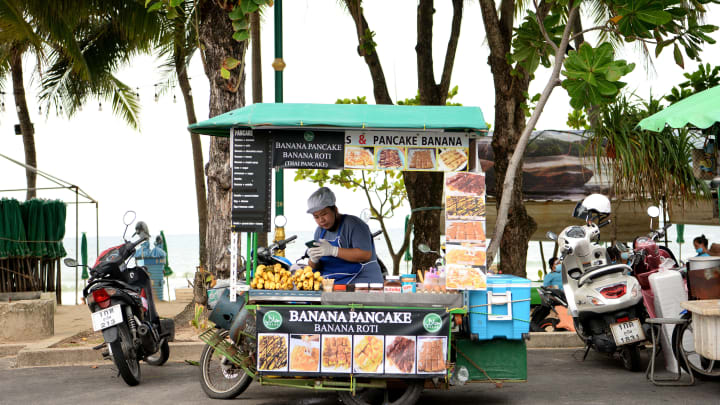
(323, 248)
(314, 259)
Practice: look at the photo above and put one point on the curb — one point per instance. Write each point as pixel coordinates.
(181, 351)
(554, 340)
(78, 356)
(10, 349)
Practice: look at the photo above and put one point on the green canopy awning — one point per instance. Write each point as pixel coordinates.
(700, 110)
(345, 116)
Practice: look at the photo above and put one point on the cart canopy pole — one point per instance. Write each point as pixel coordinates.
(233, 265)
(279, 66)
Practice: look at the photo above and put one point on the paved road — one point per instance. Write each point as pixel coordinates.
(555, 377)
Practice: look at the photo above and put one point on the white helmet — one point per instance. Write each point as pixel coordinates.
(594, 204)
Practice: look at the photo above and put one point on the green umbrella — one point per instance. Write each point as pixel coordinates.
(167, 271)
(83, 256)
(700, 110)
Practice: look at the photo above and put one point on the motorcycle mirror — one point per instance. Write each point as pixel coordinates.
(280, 221)
(70, 262)
(653, 211)
(551, 235)
(424, 248)
(129, 217)
(365, 215)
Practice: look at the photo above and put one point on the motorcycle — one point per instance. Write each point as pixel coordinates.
(603, 298)
(222, 377)
(121, 302)
(551, 302)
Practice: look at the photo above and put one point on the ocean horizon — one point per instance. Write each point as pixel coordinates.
(183, 254)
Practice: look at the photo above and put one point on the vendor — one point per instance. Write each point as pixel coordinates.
(701, 245)
(344, 248)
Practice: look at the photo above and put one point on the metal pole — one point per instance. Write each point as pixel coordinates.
(97, 230)
(77, 225)
(542, 257)
(233, 266)
(279, 66)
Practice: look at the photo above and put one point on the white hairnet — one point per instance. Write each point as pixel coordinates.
(320, 199)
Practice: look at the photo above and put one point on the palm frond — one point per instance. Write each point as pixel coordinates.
(124, 102)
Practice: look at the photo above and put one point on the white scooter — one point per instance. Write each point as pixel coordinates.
(604, 300)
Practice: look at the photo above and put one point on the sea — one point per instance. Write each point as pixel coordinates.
(183, 254)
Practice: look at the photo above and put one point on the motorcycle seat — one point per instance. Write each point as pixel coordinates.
(602, 271)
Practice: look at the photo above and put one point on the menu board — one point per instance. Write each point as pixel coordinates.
(406, 150)
(306, 149)
(250, 181)
(344, 341)
(465, 231)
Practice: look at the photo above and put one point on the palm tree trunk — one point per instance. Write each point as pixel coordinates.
(217, 45)
(26, 126)
(198, 168)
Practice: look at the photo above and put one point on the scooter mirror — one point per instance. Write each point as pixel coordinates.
(653, 211)
(365, 215)
(70, 262)
(424, 248)
(129, 217)
(551, 235)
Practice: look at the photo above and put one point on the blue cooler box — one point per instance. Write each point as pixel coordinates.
(503, 311)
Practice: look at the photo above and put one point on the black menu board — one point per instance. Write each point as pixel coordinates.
(250, 181)
(307, 148)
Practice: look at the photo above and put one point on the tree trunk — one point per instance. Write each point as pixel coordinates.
(215, 33)
(257, 96)
(26, 126)
(425, 190)
(380, 90)
(513, 170)
(199, 170)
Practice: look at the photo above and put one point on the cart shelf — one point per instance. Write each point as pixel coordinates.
(278, 296)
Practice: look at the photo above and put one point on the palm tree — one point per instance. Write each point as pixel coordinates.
(78, 45)
(177, 46)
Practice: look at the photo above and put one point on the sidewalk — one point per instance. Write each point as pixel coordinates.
(74, 338)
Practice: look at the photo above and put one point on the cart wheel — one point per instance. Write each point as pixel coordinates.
(406, 393)
(682, 340)
(219, 377)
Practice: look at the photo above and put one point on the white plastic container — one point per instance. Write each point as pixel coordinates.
(706, 327)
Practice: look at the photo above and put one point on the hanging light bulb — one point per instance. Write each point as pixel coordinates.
(137, 92)
(2, 106)
(99, 106)
(174, 99)
(157, 96)
(39, 110)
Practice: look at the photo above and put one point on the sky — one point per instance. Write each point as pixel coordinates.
(150, 171)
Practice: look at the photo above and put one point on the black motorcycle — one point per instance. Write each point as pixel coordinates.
(121, 301)
(540, 321)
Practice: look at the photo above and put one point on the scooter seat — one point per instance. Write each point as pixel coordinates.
(602, 271)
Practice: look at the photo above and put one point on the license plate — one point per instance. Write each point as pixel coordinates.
(627, 332)
(107, 317)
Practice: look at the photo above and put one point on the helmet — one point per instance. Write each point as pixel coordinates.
(141, 229)
(593, 205)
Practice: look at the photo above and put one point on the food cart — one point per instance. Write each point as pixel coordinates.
(384, 343)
